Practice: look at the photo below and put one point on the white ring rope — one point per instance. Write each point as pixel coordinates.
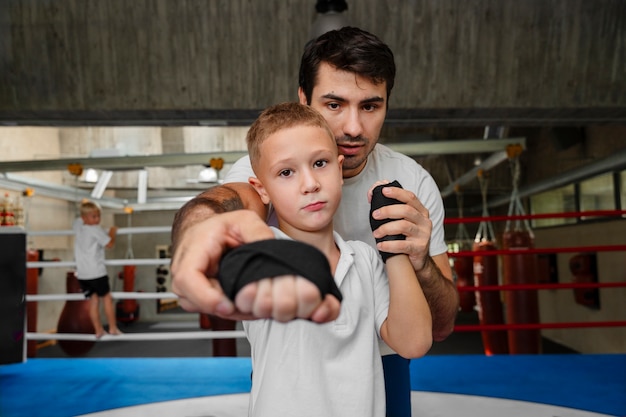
(213, 334)
(216, 334)
(110, 262)
(124, 295)
(222, 334)
(120, 231)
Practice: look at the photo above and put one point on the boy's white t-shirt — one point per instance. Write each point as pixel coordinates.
(301, 368)
(89, 246)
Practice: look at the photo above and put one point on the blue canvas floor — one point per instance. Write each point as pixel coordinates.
(70, 387)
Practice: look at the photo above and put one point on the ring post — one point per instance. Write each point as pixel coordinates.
(12, 295)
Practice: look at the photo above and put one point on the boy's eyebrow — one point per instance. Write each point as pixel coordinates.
(273, 166)
(289, 160)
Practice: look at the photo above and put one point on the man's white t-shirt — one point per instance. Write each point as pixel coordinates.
(352, 218)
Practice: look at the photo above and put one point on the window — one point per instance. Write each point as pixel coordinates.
(597, 193)
(559, 200)
(622, 180)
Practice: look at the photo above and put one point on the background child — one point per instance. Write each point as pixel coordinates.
(89, 243)
(333, 369)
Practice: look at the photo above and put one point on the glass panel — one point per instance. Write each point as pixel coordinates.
(559, 200)
(597, 193)
(623, 191)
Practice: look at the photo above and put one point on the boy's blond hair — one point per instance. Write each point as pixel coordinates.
(88, 206)
(278, 117)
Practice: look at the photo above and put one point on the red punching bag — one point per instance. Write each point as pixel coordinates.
(221, 347)
(522, 306)
(464, 270)
(463, 266)
(32, 285)
(584, 268)
(490, 310)
(75, 319)
(127, 310)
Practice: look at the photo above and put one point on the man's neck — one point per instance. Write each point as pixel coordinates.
(349, 173)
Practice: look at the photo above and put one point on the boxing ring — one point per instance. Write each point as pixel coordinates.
(470, 385)
(577, 385)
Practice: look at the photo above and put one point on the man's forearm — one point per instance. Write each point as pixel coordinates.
(219, 199)
(442, 298)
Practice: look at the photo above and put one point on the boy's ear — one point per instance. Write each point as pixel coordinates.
(260, 189)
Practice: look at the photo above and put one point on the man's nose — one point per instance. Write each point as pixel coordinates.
(353, 125)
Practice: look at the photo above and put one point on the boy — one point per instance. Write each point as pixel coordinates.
(89, 243)
(303, 368)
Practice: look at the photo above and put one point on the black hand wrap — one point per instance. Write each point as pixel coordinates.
(378, 201)
(270, 258)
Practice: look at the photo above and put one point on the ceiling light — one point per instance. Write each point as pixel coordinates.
(329, 17)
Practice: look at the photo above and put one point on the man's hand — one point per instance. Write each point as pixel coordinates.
(195, 264)
(434, 273)
(412, 221)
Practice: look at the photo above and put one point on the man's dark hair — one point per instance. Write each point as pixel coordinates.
(348, 49)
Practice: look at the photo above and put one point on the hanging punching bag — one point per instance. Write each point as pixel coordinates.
(521, 306)
(127, 310)
(223, 347)
(75, 319)
(489, 304)
(584, 268)
(464, 271)
(32, 287)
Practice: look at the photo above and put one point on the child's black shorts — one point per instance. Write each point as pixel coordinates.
(99, 286)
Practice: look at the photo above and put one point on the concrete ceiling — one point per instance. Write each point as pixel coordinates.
(198, 62)
(535, 67)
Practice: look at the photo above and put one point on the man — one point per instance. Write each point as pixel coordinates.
(347, 75)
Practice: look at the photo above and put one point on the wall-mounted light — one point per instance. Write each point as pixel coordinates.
(90, 175)
(329, 17)
(208, 174)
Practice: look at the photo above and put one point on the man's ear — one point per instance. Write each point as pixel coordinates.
(340, 159)
(302, 96)
(260, 189)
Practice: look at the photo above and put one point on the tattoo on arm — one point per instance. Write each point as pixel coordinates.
(206, 204)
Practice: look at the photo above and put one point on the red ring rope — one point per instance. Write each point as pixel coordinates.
(515, 287)
(590, 213)
(597, 248)
(535, 326)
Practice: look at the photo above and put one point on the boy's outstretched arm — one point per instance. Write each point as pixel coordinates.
(435, 275)
(408, 328)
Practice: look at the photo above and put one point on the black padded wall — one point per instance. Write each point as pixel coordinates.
(12, 295)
